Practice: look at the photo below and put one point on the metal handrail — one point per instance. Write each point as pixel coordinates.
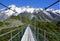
(8, 32)
(6, 28)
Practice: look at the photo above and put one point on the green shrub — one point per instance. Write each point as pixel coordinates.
(1, 23)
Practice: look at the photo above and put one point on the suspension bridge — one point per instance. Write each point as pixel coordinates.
(25, 34)
(28, 33)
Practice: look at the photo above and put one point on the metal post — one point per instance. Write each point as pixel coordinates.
(18, 36)
(11, 36)
(44, 35)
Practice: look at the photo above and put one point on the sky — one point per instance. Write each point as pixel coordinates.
(33, 3)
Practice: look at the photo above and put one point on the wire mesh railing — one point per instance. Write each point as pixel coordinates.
(42, 35)
(18, 36)
(13, 35)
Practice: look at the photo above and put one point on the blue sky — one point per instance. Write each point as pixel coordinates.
(33, 3)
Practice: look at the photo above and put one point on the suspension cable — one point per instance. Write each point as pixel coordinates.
(52, 4)
(7, 7)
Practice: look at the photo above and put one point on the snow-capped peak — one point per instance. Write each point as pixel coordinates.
(49, 13)
(28, 9)
(56, 11)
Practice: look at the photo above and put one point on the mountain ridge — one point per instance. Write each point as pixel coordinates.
(49, 14)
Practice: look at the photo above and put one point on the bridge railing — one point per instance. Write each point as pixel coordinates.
(43, 36)
(16, 37)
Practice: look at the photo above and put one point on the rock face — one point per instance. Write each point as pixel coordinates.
(3, 16)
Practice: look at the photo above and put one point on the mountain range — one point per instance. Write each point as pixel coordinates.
(30, 12)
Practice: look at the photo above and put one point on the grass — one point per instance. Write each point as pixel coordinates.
(52, 30)
(15, 17)
(1, 23)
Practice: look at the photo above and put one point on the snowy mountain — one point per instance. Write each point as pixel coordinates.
(28, 11)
